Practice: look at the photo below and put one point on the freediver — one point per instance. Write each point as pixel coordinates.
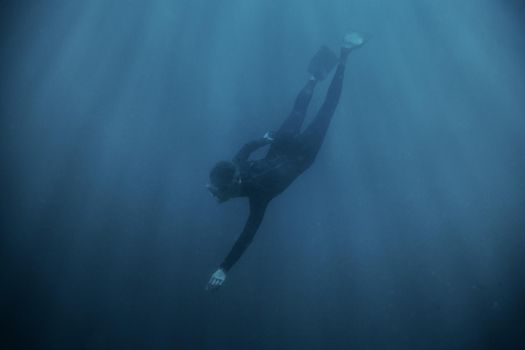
(290, 154)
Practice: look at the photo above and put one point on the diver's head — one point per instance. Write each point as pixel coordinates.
(224, 181)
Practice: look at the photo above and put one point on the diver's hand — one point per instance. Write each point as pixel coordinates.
(216, 280)
(269, 136)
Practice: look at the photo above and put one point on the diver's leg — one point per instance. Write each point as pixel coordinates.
(292, 125)
(295, 120)
(316, 131)
(321, 64)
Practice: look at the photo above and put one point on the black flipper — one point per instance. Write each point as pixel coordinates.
(322, 63)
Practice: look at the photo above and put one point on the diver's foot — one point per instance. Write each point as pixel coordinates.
(351, 42)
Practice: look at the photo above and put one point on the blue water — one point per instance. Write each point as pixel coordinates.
(407, 233)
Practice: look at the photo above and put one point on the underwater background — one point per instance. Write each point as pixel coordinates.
(408, 232)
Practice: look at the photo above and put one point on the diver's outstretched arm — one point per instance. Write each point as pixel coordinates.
(257, 209)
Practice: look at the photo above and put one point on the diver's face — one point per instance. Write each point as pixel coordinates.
(221, 194)
(225, 192)
(216, 193)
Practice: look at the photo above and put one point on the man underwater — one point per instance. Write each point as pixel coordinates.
(290, 154)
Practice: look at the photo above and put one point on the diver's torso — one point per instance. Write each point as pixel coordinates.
(271, 176)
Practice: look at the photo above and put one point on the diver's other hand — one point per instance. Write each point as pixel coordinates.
(216, 280)
(269, 136)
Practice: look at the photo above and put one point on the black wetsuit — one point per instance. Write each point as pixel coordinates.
(290, 154)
